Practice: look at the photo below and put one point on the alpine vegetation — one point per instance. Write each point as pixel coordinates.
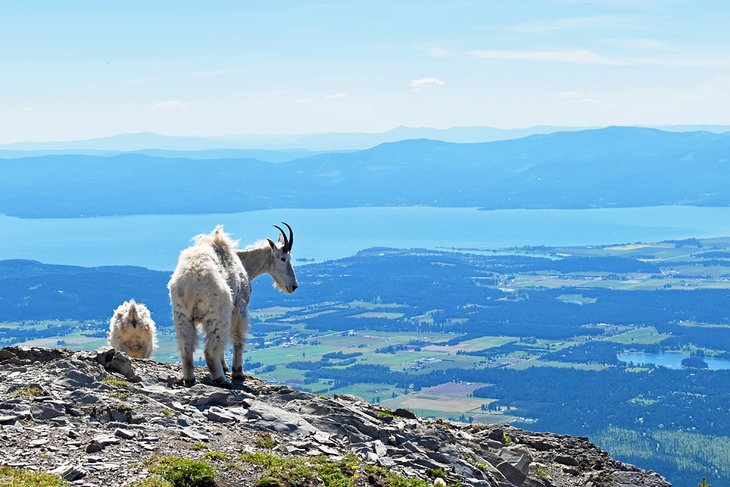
(211, 287)
(131, 330)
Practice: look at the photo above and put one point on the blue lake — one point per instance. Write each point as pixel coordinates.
(154, 241)
(670, 360)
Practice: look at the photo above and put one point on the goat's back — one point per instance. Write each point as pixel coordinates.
(208, 275)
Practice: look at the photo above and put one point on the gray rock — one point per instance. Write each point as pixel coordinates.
(46, 411)
(566, 460)
(93, 447)
(512, 474)
(106, 440)
(122, 364)
(69, 472)
(38, 442)
(518, 456)
(219, 415)
(404, 413)
(9, 418)
(195, 435)
(75, 378)
(203, 395)
(123, 433)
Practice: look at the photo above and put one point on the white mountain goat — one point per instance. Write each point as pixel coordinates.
(211, 287)
(131, 330)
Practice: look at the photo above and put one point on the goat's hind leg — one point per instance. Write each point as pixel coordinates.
(187, 340)
(215, 343)
(238, 335)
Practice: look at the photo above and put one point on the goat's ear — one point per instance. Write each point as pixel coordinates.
(271, 244)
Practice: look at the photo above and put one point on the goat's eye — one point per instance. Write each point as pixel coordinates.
(283, 259)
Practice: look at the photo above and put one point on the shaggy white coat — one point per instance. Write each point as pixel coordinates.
(132, 330)
(209, 287)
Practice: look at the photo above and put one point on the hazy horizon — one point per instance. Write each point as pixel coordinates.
(72, 71)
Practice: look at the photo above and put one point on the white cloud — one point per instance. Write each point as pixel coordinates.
(585, 97)
(419, 84)
(170, 105)
(303, 101)
(337, 96)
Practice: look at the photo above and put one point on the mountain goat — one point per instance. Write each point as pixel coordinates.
(211, 286)
(131, 330)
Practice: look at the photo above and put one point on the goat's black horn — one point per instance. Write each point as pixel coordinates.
(291, 236)
(286, 241)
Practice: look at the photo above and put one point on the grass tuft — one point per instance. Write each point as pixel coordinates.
(22, 477)
(152, 481)
(123, 395)
(116, 382)
(264, 441)
(29, 391)
(215, 455)
(296, 471)
(381, 476)
(184, 472)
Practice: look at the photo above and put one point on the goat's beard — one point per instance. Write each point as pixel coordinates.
(281, 287)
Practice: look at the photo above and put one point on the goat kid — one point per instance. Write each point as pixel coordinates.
(132, 331)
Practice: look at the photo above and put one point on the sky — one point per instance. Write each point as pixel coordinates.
(73, 69)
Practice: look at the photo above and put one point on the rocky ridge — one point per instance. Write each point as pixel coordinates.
(96, 418)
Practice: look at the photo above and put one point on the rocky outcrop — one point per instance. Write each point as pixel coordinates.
(95, 417)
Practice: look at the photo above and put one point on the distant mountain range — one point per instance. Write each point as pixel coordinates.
(298, 144)
(610, 167)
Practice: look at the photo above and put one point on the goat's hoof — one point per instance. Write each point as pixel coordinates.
(189, 383)
(238, 377)
(221, 382)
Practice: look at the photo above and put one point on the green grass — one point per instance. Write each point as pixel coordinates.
(388, 315)
(184, 472)
(384, 414)
(265, 441)
(646, 335)
(200, 446)
(26, 392)
(215, 456)
(167, 411)
(116, 381)
(386, 478)
(21, 477)
(152, 481)
(558, 365)
(123, 395)
(295, 471)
